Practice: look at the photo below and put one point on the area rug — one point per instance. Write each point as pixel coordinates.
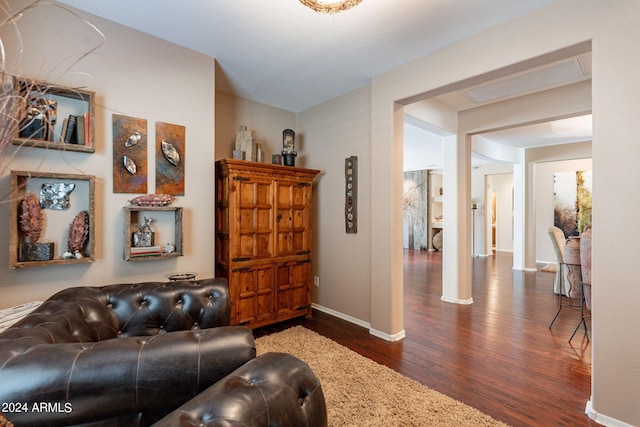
(550, 268)
(361, 392)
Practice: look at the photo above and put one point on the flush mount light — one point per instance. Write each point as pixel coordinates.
(331, 7)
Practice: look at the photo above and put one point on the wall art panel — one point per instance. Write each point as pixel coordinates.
(129, 154)
(170, 158)
(572, 193)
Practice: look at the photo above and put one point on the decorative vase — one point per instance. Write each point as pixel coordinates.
(572, 250)
(289, 159)
(571, 258)
(437, 241)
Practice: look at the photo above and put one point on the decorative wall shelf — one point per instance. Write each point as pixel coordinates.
(47, 131)
(166, 224)
(57, 220)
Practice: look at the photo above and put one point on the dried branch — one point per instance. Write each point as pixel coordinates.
(13, 102)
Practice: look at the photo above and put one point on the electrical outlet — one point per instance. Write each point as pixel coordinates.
(316, 281)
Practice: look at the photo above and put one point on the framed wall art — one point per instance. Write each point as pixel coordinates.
(351, 194)
(129, 154)
(170, 158)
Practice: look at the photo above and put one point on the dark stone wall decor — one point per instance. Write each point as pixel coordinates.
(351, 194)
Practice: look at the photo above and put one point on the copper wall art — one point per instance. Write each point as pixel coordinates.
(170, 158)
(129, 154)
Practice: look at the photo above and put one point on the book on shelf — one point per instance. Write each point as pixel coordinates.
(87, 129)
(79, 134)
(146, 250)
(63, 130)
(69, 129)
(146, 255)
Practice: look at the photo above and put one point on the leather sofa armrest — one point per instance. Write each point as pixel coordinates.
(114, 378)
(275, 389)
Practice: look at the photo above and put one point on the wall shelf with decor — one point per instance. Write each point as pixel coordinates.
(152, 232)
(52, 219)
(59, 118)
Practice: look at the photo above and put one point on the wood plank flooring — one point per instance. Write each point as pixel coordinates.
(497, 354)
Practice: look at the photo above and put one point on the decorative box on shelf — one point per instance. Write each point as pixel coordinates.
(152, 232)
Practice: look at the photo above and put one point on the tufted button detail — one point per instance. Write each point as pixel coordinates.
(300, 401)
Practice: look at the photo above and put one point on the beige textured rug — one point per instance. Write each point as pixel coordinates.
(361, 392)
(550, 268)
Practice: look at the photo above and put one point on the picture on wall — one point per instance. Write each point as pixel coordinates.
(572, 208)
(129, 154)
(415, 208)
(170, 158)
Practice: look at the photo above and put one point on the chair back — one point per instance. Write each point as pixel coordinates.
(558, 239)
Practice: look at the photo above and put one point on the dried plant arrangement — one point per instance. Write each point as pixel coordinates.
(78, 234)
(31, 218)
(14, 100)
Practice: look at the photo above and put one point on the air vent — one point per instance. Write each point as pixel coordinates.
(553, 75)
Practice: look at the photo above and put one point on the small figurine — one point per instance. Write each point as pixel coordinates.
(145, 236)
(145, 226)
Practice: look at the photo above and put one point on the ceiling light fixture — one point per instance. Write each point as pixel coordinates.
(330, 7)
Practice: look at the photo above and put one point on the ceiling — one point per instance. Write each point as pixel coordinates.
(283, 54)
(280, 53)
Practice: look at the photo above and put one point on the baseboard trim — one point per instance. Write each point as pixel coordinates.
(376, 333)
(340, 315)
(395, 337)
(457, 301)
(603, 419)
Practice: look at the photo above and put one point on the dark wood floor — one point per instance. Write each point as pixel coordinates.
(497, 354)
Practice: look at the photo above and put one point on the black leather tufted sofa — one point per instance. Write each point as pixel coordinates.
(130, 354)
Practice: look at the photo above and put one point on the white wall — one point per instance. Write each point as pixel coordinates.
(132, 74)
(333, 131)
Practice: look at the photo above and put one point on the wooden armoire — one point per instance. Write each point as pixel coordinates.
(263, 239)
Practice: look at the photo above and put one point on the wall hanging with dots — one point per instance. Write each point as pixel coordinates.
(351, 194)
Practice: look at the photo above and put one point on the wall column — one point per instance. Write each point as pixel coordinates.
(456, 246)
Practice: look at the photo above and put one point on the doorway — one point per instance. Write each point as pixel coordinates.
(498, 221)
